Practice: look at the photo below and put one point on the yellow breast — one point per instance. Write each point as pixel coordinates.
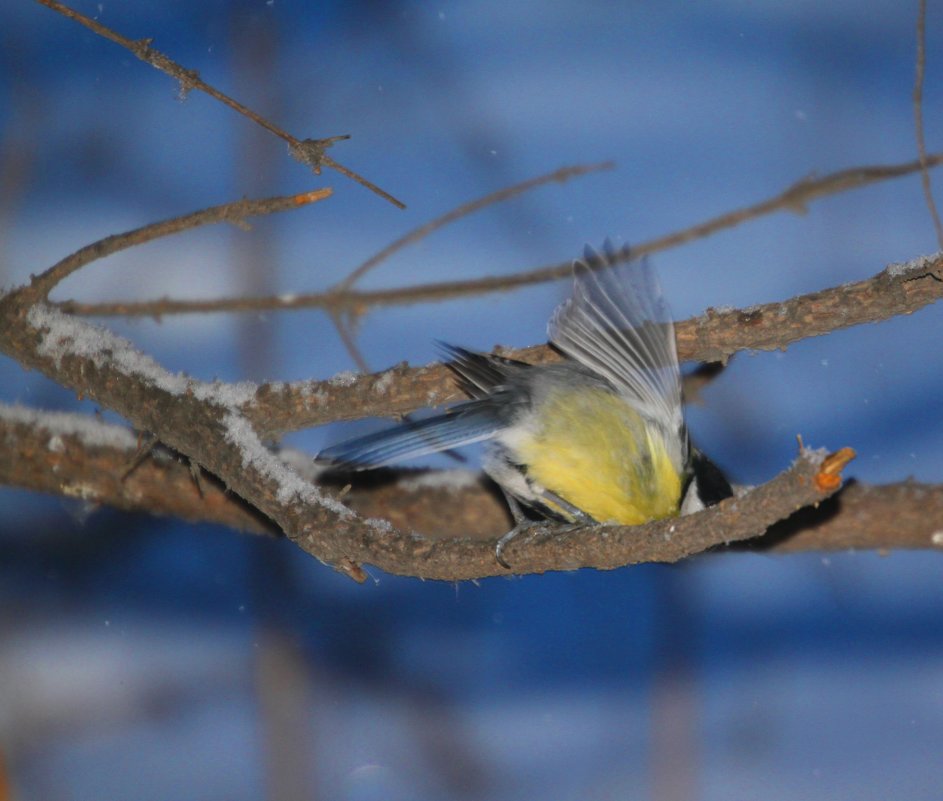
(594, 450)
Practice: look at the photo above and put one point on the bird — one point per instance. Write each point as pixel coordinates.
(599, 437)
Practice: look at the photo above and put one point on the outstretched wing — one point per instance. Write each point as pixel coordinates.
(618, 325)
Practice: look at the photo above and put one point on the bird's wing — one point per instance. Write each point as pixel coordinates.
(480, 374)
(618, 325)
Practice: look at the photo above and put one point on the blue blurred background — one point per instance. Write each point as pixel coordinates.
(146, 659)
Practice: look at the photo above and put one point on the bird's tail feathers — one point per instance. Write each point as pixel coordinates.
(463, 425)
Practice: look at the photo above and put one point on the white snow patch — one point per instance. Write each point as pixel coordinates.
(254, 454)
(441, 479)
(921, 263)
(344, 379)
(63, 335)
(312, 389)
(90, 431)
(382, 384)
(229, 395)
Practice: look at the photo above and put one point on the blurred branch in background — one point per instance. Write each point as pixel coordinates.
(794, 198)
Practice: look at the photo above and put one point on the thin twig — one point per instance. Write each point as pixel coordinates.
(794, 198)
(308, 151)
(41, 285)
(146, 444)
(349, 340)
(918, 121)
(562, 175)
(327, 161)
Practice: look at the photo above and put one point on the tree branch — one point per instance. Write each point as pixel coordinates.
(76, 456)
(714, 336)
(353, 540)
(41, 285)
(311, 152)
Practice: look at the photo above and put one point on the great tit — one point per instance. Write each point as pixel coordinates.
(597, 438)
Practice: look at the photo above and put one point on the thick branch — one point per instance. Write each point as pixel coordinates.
(76, 456)
(79, 457)
(197, 419)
